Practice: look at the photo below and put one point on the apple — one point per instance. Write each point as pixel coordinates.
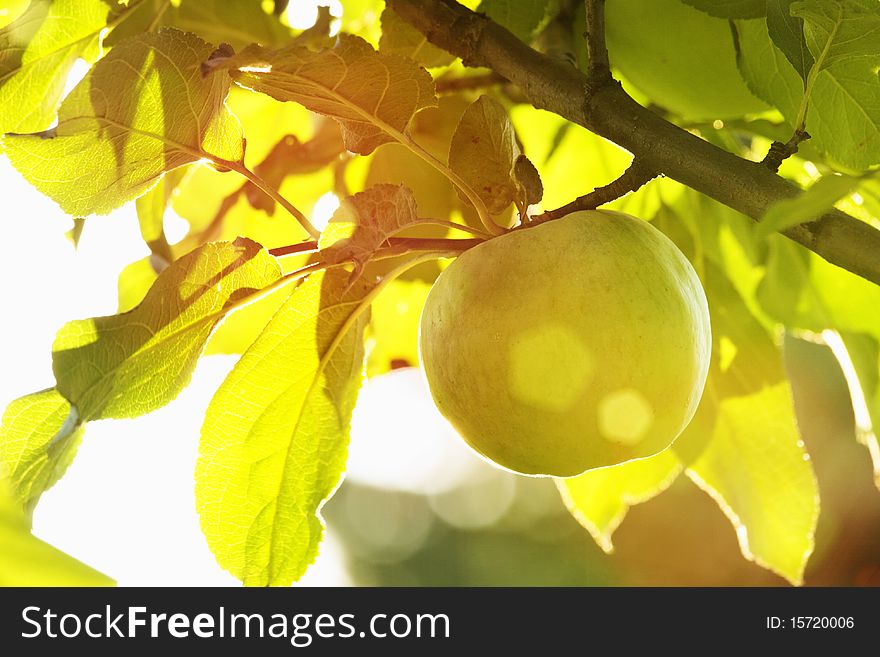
(681, 58)
(574, 344)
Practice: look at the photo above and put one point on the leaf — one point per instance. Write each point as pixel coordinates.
(38, 51)
(807, 206)
(483, 153)
(742, 446)
(126, 365)
(600, 498)
(803, 291)
(27, 561)
(373, 95)
(756, 468)
(39, 437)
(521, 17)
(843, 117)
(766, 70)
(840, 30)
(144, 109)
(366, 220)
(151, 216)
(75, 233)
(401, 38)
(859, 359)
(787, 32)
(530, 189)
(275, 436)
(731, 8)
(236, 22)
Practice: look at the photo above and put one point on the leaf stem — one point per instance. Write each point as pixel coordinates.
(256, 179)
(448, 224)
(815, 69)
(483, 212)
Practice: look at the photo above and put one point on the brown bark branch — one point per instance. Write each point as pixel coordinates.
(599, 72)
(629, 181)
(780, 151)
(749, 187)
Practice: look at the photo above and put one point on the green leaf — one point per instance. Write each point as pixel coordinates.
(807, 206)
(787, 32)
(126, 365)
(275, 436)
(37, 52)
(39, 437)
(401, 38)
(742, 446)
(766, 70)
(483, 153)
(236, 22)
(27, 561)
(843, 117)
(332, 82)
(756, 468)
(731, 8)
(151, 215)
(801, 290)
(840, 30)
(600, 498)
(365, 221)
(144, 109)
(859, 359)
(521, 17)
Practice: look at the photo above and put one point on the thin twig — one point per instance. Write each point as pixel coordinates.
(395, 246)
(780, 151)
(599, 71)
(629, 181)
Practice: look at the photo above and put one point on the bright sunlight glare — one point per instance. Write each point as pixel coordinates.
(302, 14)
(323, 211)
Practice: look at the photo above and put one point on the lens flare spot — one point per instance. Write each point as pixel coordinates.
(549, 368)
(625, 416)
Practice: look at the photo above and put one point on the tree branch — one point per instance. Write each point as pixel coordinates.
(749, 187)
(599, 72)
(780, 151)
(629, 181)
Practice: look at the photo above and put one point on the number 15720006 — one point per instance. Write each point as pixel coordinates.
(810, 623)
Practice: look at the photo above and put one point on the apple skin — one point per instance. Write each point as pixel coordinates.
(579, 343)
(678, 56)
